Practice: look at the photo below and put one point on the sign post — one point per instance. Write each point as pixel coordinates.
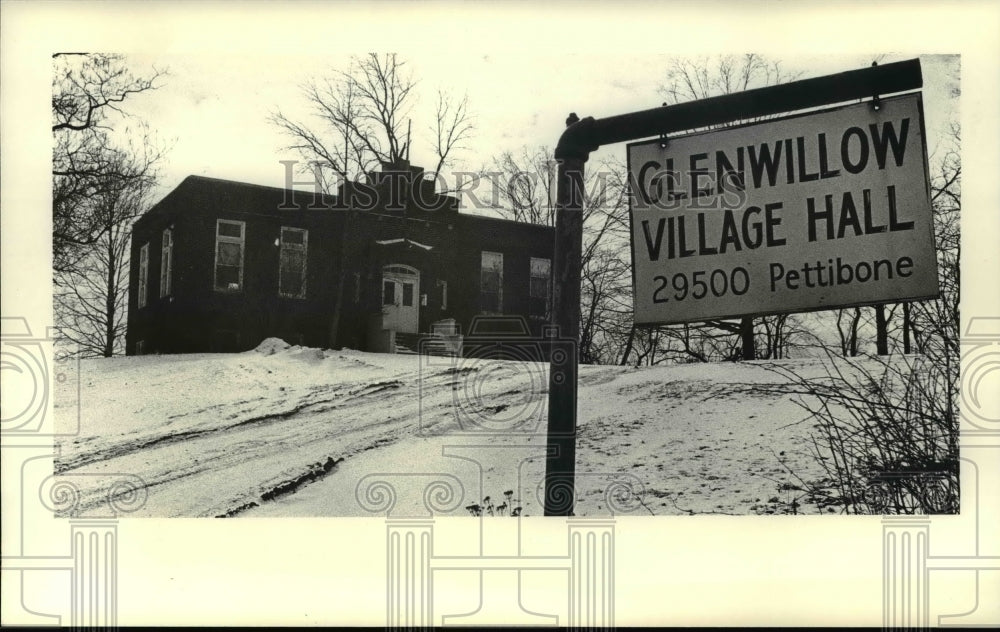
(560, 458)
(779, 222)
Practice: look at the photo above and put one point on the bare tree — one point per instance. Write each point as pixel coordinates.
(94, 149)
(690, 79)
(103, 165)
(887, 427)
(778, 332)
(524, 191)
(910, 326)
(936, 323)
(91, 295)
(362, 121)
(452, 127)
(848, 323)
(886, 433)
(524, 185)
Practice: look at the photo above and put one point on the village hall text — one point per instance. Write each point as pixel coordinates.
(725, 216)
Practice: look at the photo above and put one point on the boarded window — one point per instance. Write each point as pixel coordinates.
(408, 294)
(388, 293)
(539, 290)
(491, 283)
(292, 264)
(143, 274)
(166, 262)
(229, 243)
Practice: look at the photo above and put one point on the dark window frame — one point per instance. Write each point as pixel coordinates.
(220, 239)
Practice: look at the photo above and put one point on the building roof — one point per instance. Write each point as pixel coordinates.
(203, 192)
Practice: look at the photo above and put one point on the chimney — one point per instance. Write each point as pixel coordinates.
(402, 188)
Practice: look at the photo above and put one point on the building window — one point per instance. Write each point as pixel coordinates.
(230, 237)
(166, 262)
(143, 273)
(491, 283)
(540, 288)
(407, 294)
(292, 262)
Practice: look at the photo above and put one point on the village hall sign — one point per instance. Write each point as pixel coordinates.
(821, 210)
(824, 209)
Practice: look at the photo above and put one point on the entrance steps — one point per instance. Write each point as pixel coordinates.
(428, 344)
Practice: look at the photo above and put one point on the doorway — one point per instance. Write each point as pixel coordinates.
(401, 298)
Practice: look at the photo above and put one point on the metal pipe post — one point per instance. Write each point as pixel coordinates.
(560, 460)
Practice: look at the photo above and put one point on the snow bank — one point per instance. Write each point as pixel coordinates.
(270, 346)
(212, 434)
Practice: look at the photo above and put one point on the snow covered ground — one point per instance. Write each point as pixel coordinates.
(292, 431)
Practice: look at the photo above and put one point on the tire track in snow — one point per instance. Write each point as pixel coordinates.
(64, 465)
(272, 441)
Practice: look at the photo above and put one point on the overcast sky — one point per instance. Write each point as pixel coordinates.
(212, 109)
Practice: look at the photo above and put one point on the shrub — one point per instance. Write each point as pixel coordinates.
(506, 508)
(886, 433)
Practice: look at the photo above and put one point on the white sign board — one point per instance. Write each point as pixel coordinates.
(815, 211)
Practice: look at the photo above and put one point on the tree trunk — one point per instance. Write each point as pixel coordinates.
(628, 345)
(882, 333)
(841, 332)
(109, 301)
(746, 337)
(853, 340)
(906, 328)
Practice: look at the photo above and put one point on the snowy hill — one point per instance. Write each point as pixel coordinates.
(291, 431)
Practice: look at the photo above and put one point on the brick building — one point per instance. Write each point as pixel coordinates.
(219, 266)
